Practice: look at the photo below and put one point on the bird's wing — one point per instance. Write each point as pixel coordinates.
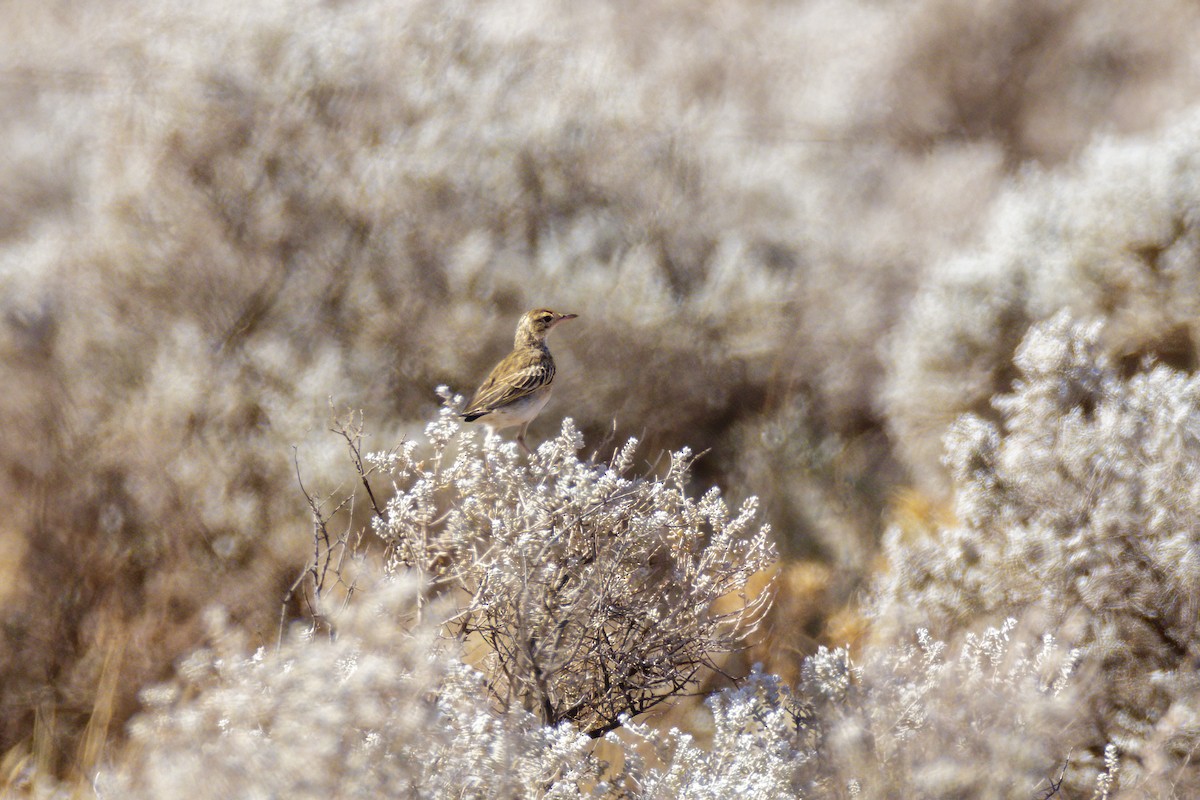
(520, 374)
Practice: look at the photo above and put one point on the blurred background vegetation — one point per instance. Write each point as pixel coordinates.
(215, 218)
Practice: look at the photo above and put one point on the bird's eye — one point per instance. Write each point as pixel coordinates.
(547, 319)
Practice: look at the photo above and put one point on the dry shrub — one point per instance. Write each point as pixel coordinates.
(1114, 237)
(1076, 510)
(214, 218)
(598, 594)
(382, 710)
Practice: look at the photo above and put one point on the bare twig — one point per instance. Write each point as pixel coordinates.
(327, 566)
(1056, 785)
(350, 429)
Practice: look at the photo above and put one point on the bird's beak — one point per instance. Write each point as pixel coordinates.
(564, 318)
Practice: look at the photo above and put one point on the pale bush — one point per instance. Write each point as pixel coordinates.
(382, 710)
(919, 719)
(386, 709)
(596, 593)
(1077, 509)
(912, 720)
(1114, 237)
(214, 217)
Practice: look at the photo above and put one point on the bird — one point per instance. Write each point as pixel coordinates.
(518, 387)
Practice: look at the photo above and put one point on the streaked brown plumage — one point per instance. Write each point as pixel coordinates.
(519, 386)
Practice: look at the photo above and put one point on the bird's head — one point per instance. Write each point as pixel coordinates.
(537, 323)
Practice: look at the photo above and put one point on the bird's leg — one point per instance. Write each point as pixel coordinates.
(486, 463)
(521, 439)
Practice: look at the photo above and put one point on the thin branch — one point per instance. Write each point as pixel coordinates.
(1056, 785)
(352, 433)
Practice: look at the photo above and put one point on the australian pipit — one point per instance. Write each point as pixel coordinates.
(519, 386)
